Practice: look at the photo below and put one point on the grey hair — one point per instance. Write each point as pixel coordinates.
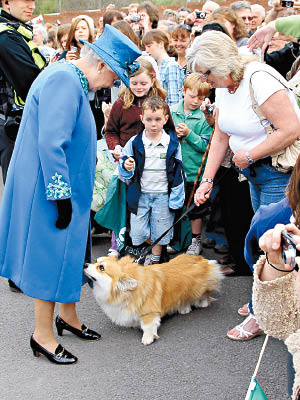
(260, 8)
(218, 53)
(43, 31)
(240, 5)
(91, 56)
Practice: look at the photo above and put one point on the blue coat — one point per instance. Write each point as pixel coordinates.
(54, 158)
(265, 218)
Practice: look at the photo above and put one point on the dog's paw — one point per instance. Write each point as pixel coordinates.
(185, 309)
(148, 339)
(202, 303)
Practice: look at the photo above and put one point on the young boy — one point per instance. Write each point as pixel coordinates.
(152, 161)
(193, 132)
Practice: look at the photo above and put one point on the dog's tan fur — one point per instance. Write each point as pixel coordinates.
(134, 295)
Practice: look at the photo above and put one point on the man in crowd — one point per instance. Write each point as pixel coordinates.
(19, 66)
(258, 14)
(243, 10)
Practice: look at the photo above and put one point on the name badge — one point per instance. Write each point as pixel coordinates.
(163, 156)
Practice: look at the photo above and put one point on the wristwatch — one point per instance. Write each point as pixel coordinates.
(209, 180)
(250, 161)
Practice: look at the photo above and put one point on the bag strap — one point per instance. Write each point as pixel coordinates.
(269, 128)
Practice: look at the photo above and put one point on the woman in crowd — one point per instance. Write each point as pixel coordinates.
(81, 29)
(215, 56)
(170, 73)
(50, 185)
(62, 36)
(181, 40)
(276, 284)
(233, 23)
(148, 18)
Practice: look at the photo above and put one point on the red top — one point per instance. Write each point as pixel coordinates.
(123, 124)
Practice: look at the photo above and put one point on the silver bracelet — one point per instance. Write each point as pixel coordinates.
(209, 180)
(250, 161)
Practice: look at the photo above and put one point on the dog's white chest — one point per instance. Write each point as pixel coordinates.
(120, 315)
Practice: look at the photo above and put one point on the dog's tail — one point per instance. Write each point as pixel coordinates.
(216, 275)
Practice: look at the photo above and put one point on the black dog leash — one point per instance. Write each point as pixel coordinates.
(147, 250)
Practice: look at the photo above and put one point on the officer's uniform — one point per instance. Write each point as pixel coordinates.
(20, 64)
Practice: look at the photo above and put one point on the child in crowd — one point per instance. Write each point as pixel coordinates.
(152, 162)
(124, 120)
(194, 133)
(171, 74)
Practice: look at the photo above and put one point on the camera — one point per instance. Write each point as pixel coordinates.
(200, 14)
(287, 3)
(289, 251)
(135, 18)
(209, 109)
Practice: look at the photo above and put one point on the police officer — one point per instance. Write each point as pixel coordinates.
(20, 64)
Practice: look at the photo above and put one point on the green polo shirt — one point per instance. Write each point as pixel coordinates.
(194, 144)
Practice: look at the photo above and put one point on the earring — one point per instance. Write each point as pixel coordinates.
(98, 72)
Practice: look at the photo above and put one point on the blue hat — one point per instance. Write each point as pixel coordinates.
(117, 51)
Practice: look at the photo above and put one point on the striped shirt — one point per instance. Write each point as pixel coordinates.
(154, 177)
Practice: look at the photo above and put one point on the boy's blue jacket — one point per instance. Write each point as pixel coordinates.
(135, 148)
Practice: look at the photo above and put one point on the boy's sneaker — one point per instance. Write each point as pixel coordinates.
(195, 247)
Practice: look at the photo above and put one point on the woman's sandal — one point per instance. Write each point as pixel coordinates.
(245, 335)
(244, 310)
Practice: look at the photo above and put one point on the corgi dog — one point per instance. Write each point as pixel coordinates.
(132, 295)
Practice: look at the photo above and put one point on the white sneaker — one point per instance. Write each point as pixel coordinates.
(195, 247)
(112, 253)
(170, 250)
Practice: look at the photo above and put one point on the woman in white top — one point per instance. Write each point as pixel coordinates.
(215, 56)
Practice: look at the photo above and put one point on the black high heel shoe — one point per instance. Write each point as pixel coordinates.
(85, 333)
(61, 355)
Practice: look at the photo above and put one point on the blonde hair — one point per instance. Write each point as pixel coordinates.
(227, 14)
(218, 53)
(156, 90)
(194, 81)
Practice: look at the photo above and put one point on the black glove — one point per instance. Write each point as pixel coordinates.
(64, 210)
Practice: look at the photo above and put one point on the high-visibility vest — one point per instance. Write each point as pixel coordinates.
(27, 35)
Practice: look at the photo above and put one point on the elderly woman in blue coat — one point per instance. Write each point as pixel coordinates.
(46, 203)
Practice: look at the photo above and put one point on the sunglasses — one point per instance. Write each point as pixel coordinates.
(248, 18)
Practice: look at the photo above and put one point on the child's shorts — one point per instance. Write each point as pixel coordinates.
(152, 220)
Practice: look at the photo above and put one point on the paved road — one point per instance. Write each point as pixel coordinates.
(193, 359)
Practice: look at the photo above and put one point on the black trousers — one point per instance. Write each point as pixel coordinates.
(237, 213)
(6, 150)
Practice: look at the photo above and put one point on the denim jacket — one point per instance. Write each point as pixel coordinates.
(135, 148)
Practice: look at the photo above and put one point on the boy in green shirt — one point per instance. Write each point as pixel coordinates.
(193, 132)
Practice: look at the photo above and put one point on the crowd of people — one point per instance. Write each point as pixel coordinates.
(192, 107)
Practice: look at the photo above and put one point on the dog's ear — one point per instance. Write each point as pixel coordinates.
(126, 283)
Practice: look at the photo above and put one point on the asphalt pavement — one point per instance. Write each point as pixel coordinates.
(193, 359)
